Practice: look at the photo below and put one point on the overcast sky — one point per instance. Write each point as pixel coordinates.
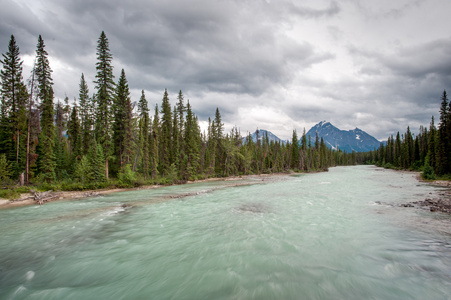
(277, 65)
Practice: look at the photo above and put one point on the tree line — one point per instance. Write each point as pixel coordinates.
(104, 136)
(429, 151)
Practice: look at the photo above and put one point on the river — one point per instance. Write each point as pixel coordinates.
(334, 235)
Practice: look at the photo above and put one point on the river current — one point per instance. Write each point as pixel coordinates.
(335, 235)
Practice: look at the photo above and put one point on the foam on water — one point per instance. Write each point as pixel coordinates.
(29, 275)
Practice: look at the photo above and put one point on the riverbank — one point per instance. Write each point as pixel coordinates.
(27, 199)
(440, 203)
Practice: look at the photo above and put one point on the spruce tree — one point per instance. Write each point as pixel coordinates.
(154, 144)
(75, 136)
(14, 101)
(62, 154)
(432, 155)
(104, 97)
(294, 151)
(218, 131)
(180, 111)
(323, 155)
(144, 135)
(166, 134)
(96, 163)
(398, 153)
(5, 168)
(4, 127)
(409, 155)
(47, 159)
(192, 145)
(21, 130)
(85, 115)
(219, 126)
(443, 145)
(122, 126)
(210, 153)
(176, 133)
(33, 126)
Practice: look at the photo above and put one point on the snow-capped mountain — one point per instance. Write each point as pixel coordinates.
(262, 133)
(352, 140)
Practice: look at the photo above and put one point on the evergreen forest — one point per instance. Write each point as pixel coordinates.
(429, 151)
(104, 139)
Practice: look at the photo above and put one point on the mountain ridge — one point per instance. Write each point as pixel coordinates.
(345, 140)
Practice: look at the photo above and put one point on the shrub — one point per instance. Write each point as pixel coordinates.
(127, 177)
(9, 194)
(428, 172)
(5, 168)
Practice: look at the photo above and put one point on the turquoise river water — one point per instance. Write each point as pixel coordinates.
(334, 235)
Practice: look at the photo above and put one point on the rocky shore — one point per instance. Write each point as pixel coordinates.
(441, 203)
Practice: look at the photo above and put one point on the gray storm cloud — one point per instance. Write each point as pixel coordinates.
(377, 66)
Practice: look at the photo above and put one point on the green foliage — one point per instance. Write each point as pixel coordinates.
(104, 97)
(86, 116)
(47, 159)
(5, 168)
(165, 141)
(154, 144)
(126, 177)
(122, 126)
(96, 164)
(144, 136)
(170, 177)
(82, 169)
(295, 151)
(75, 134)
(428, 172)
(10, 194)
(13, 118)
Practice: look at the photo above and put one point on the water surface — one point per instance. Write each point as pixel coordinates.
(334, 235)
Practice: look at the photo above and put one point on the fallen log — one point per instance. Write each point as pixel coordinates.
(41, 197)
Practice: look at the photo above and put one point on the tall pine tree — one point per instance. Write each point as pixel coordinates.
(144, 136)
(165, 152)
(47, 159)
(122, 126)
(104, 97)
(154, 144)
(443, 145)
(192, 143)
(14, 102)
(75, 136)
(295, 151)
(61, 143)
(86, 111)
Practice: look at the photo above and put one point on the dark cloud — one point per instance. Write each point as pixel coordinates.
(420, 61)
(302, 62)
(214, 45)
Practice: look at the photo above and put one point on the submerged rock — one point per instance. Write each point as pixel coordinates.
(254, 208)
(442, 204)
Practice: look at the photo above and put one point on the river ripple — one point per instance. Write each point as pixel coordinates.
(334, 235)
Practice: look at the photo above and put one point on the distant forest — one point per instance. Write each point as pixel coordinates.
(429, 151)
(105, 139)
